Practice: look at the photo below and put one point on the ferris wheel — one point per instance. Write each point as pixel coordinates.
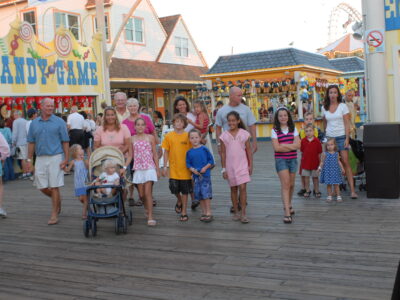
(341, 17)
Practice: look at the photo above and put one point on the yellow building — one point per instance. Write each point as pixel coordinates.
(286, 77)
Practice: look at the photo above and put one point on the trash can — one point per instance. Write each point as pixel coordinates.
(382, 160)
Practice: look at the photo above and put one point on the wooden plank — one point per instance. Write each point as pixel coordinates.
(331, 251)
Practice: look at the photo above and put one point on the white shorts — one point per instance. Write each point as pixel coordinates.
(142, 176)
(23, 152)
(308, 173)
(47, 171)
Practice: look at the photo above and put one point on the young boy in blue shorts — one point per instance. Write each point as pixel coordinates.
(200, 161)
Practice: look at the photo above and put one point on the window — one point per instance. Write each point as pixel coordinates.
(69, 21)
(106, 24)
(30, 17)
(134, 30)
(181, 47)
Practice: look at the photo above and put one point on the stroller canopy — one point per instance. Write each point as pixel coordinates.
(100, 155)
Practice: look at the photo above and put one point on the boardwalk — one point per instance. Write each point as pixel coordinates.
(331, 251)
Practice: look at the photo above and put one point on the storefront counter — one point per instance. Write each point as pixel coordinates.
(264, 128)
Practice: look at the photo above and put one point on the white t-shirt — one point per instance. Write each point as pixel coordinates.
(108, 179)
(191, 117)
(334, 121)
(244, 111)
(285, 131)
(76, 121)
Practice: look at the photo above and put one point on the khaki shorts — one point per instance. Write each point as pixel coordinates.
(23, 152)
(47, 171)
(308, 173)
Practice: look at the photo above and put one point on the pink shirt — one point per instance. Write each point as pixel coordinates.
(131, 125)
(112, 138)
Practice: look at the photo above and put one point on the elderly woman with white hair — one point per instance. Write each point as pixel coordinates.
(133, 107)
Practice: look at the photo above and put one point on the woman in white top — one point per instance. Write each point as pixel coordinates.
(181, 105)
(337, 126)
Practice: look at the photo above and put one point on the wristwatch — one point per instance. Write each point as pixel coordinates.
(124, 167)
(28, 160)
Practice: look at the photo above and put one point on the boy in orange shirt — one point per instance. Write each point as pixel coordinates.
(176, 144)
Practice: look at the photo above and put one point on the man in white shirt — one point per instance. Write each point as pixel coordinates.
(76, 126)
(120, 100)
(235, 98)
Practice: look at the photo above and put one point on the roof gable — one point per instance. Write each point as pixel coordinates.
(171, 23)
(268, 60)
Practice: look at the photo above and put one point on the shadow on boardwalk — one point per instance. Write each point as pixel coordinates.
(347, 251)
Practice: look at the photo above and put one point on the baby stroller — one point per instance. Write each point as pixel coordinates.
(110, 206)
(356, 160)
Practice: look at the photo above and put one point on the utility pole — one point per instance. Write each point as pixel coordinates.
(101, 27)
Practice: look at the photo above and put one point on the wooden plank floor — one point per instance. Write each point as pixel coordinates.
(331, 251)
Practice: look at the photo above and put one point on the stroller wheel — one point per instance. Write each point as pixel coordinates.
(94, 227)
(86, 228)
(117, 225)
(125, 222)
(130, 217)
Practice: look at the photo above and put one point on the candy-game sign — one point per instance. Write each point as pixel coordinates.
(62, 66)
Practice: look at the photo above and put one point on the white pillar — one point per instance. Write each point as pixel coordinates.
(101, 28)
(378, 106)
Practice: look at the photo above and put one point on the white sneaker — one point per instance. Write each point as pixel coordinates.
(3, 213)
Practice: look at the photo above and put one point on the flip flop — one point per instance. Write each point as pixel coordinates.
(244, 220)
(208, 218)
(52, 222)
(184, 218)
(178, 208)
(151, 223)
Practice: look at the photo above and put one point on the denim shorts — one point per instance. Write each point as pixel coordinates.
(202, 188)
(286, 164)
(339, 142)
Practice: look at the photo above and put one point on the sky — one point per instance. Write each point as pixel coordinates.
(220, 27)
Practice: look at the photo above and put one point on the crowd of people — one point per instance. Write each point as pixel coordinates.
(46, 142)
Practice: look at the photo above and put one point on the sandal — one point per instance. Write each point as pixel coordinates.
(292, 212)
(138, 203)
(287, 219)
(203, 217)
(178, 208)
(208, 218)
(131, 202)
(195, 204)
(307, 194)
(329, 199)
(339, 199)
(236, 218)
(154, 203)
(244, 220)
(151, 223)
(354, 196)
(52, 222)
(184, 218)
(301, 192)
(317, 194)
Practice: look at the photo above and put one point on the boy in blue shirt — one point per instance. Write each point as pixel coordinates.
(200, 161)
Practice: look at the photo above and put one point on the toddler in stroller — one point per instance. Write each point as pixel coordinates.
(105, 195)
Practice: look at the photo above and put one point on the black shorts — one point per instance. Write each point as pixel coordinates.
(76, 136)
(177, 186)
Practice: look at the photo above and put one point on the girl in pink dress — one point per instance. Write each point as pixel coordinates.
(145, 164)
(237, 162)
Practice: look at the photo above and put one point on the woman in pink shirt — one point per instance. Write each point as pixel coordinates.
(133, 107)
(112, 133)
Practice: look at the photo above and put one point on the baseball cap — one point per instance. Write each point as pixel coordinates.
(31, 112)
